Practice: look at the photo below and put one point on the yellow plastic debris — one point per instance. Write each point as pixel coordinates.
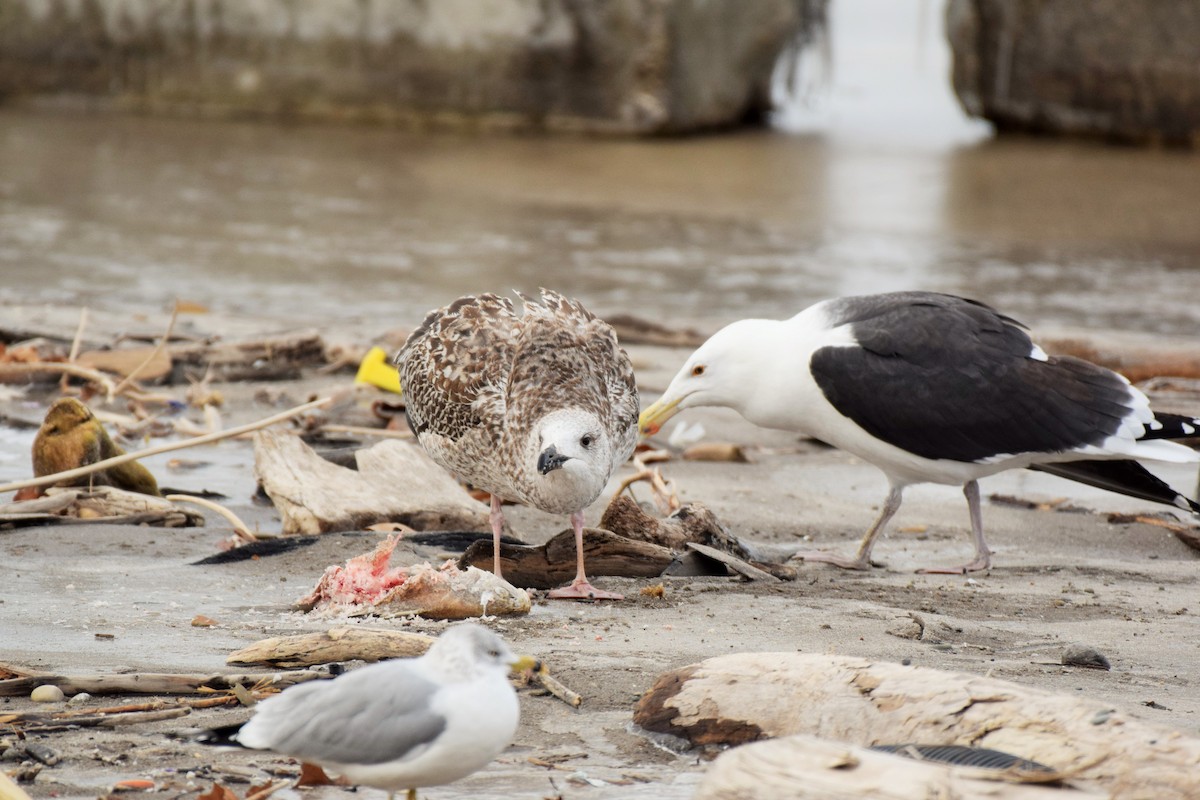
(377, 371)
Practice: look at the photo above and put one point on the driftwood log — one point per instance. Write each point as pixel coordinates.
(106, 504)
(268, 358)
(744, 697)
(151, 363)
(637, 330)
(333, 645)
(150, 682)
(553, 563)
(692, 524)
(395, 482)
(807, 768)
(1138, 358)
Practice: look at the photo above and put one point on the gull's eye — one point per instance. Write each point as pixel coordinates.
(697, 370)
(494, 653)
(587, 440)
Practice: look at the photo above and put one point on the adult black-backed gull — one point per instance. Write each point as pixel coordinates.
(932, 388)
(400, 724)
(540, 407)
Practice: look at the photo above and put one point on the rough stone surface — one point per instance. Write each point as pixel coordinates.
(628, 66)
(1105, 68)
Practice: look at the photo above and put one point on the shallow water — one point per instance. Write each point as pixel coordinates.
(872, 180)
(380, 225)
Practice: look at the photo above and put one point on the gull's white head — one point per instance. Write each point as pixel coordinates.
(720, 373)
(570, 458)
(469, 650)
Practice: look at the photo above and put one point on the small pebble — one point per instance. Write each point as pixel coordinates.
(47, 693)
(79, 699)
(40, 752)
(1082, 655)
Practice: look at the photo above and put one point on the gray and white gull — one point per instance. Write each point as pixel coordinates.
(397, 725)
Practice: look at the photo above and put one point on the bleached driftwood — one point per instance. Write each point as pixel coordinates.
(9, 790)
(749, 696)
(106, 504)
(395, 482)
(808, 768)
(146, 363)
(335, 644)
(553, 564)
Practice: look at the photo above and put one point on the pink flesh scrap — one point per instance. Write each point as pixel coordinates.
(364, 579)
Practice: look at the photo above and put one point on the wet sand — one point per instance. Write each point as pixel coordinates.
(1059, 578)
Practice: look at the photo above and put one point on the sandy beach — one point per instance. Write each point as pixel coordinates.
(84, 599)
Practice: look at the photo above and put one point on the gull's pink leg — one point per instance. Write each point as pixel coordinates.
(580, 589)
(983, 556)
(497, 520)
(862, 559)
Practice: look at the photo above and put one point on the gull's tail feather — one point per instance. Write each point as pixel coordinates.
(1124, 477)
(224, 736)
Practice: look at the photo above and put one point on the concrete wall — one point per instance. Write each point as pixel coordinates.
(628, 66)
(1119, 69)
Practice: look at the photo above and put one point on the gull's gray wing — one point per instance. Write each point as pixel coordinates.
(378, 713)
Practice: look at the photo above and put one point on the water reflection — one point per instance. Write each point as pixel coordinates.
(377, 225)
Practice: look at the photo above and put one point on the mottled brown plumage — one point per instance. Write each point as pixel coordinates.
(539, 407)
(72, 437)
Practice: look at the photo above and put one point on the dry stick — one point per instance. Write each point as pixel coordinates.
(267, 791)
(365, 431)
(556, 688)
(13, 370)
(128, 379)
(163, 448)
(83, 315)
(239, 527)
(105, 720)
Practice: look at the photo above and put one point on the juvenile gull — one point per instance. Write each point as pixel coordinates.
(932, 388)
(400, 724)
(539, 407)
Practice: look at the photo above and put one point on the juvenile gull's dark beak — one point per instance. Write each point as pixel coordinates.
(550, 460)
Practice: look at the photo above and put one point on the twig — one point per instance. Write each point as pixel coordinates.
(163, 448)
(664, 496)
(267, 791)
(105, 720)
(365, 431)
(13, 370)
(128, 379)
(83, 315)
(556, 688)
(239, 527)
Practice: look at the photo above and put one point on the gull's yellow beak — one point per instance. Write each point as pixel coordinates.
(524, 663)
(652, 419)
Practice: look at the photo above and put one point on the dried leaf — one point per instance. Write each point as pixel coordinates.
(219, 792)
(312, 775)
